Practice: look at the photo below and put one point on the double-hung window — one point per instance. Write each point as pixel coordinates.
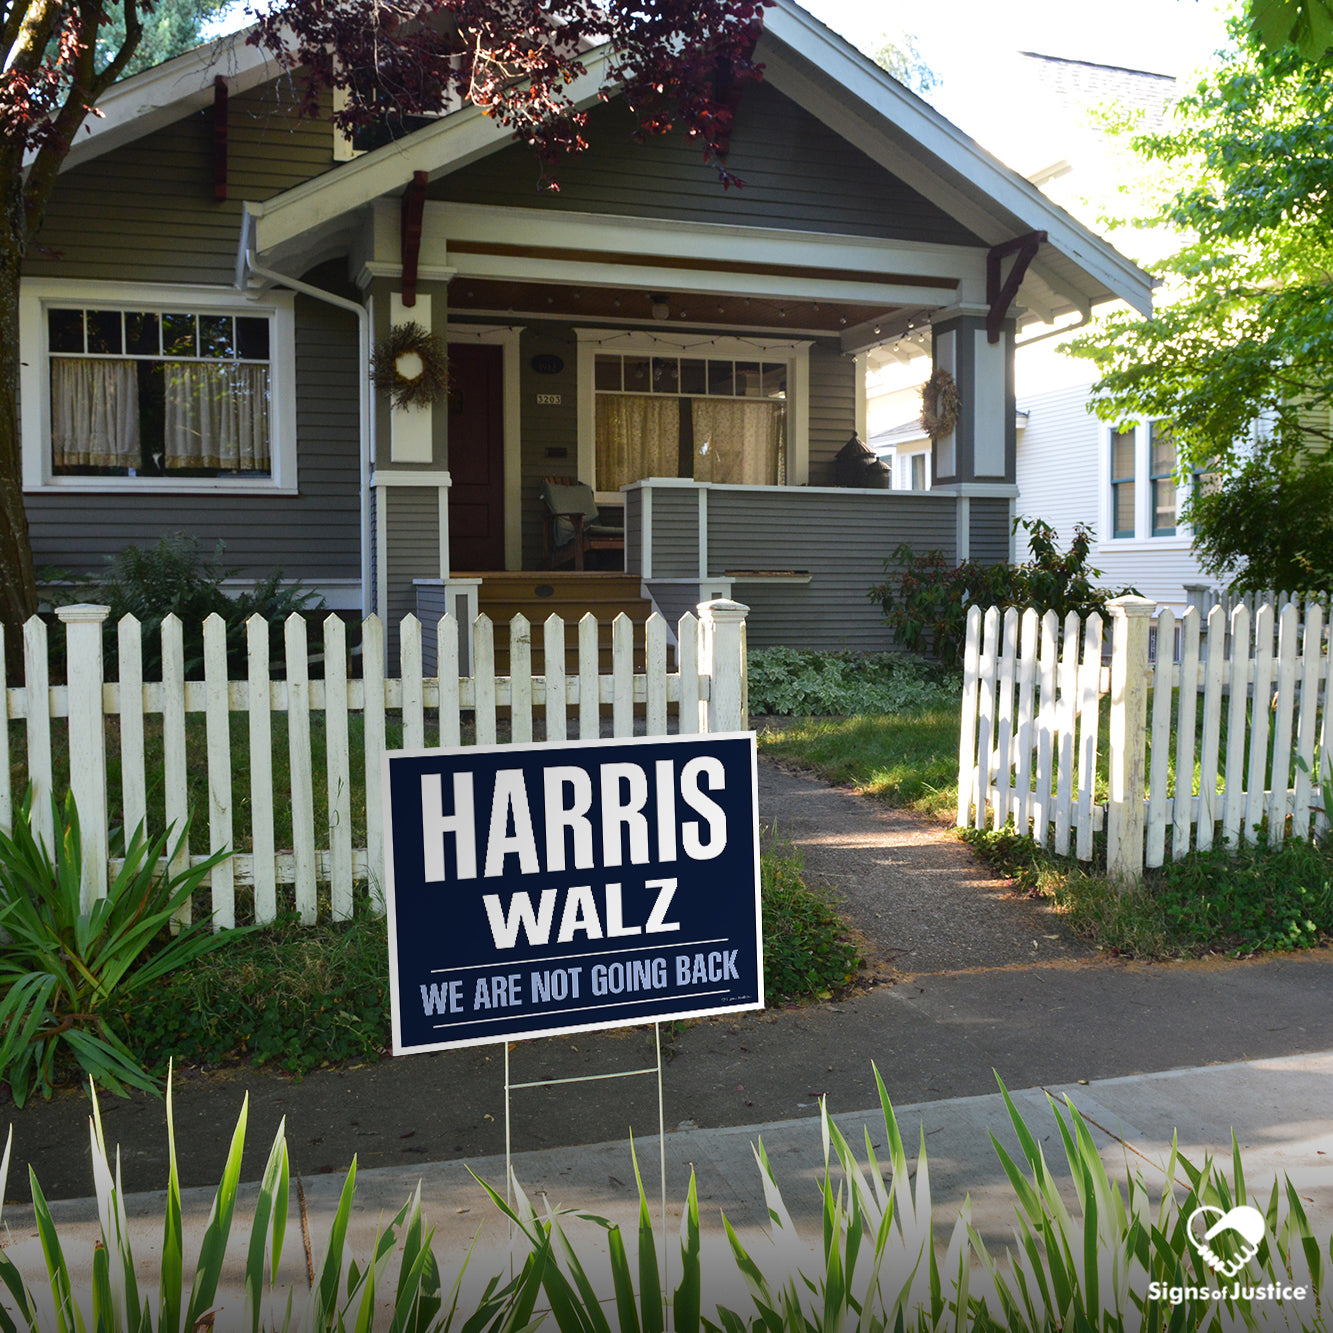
(1162, 475)
(1122, 482)
(168, 389)
(1144, 493)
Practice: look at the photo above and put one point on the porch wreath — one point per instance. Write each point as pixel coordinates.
(939, 403)
(411, 365)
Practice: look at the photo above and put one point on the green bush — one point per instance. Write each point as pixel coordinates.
(290, 995)
(926, 600)
(806, 950)
(65, 971)
(175, 577)
(842, 684)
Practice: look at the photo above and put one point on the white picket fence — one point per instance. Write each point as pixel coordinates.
(1246, 721)
(703, 690)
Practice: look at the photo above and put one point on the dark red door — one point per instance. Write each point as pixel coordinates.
(476, 457)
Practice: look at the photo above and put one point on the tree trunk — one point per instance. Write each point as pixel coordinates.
(18, 585)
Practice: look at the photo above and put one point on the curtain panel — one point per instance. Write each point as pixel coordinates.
(638, 436)
(217, 416)
(94, 413)
(738, 441)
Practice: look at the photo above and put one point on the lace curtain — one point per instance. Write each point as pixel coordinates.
(638, 436)
(738, 440)
(94, 413)
(217, 416)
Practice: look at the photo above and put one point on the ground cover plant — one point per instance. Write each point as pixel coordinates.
(1101, 1253)
(787, 681)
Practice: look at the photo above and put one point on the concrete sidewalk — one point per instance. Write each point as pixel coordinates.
(1279, 1109)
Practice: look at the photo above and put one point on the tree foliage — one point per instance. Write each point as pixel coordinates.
(678, 64)
(1238, 354)
(899, 54)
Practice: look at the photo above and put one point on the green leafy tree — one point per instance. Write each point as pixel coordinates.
(171, 29)
(1238, 355)
(899, 54)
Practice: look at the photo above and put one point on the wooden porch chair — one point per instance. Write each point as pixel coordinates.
(573, 524)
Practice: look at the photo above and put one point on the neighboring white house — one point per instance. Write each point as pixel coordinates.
(1071, 467)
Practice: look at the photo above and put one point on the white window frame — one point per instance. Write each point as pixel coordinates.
(794, 354)
(1143, 538)
(37, 296)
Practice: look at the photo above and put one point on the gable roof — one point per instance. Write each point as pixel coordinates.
(803, 59)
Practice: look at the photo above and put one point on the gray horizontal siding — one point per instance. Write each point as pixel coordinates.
(675, 530)
(988, 531)
(312, 535)
(832, 409)
(412, 517)
(152, 200)
(673, 600)
(550, 431)
(843, 541)
(633, 532)
(797, 173)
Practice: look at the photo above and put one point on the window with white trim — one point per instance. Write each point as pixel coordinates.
(156, 388)
(1143, 494)
(1162, 475)
(1122, 482)
(703, 418)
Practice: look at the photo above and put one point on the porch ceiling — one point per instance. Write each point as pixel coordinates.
(621, 304)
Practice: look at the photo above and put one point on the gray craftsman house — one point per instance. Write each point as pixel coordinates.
(215, 270)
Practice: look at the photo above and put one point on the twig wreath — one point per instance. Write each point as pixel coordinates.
(411, 365)
(939, 403)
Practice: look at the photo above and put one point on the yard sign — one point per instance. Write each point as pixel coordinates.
(539, 889)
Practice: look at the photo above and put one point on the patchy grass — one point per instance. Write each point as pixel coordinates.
(807, 954)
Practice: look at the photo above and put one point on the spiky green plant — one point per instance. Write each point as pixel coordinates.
(65, 969)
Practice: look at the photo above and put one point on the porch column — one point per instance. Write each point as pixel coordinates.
(976, 459)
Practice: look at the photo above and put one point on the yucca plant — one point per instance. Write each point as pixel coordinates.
(66, 971)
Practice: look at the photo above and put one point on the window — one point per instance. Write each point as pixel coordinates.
(704, 418)
(1162, 475)
(1122, 482)
(918, 462)
(156, 388)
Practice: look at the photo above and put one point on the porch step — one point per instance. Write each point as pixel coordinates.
(569, 595)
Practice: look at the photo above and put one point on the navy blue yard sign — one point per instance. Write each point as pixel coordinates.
(536, 889)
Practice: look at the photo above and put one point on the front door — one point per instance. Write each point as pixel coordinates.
(476, 457)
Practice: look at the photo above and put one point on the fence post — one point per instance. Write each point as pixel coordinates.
(87, 740)
(1128, 737)
(722, 658)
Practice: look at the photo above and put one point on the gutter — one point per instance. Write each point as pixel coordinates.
(251, 264)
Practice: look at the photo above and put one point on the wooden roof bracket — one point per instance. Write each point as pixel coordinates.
(220, 137)
(413, 210)
(1000, 295)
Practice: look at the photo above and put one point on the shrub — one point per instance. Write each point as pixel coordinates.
(806, 950)
(64, 971)
(842, 684)
(925, 599)
(175, 577)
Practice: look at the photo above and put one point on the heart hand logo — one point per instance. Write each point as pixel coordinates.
(1243, 1227)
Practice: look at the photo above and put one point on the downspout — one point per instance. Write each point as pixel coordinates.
(253, 265)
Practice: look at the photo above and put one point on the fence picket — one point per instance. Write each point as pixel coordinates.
(446, 667)
(590, 686)
(1280, 782)
(1324, 820)
(175, 774)
(692, 702)
(337, 745)
(1023, 739)
(1256, 784)
(297, 658)
(990, 630)
(483, 640)
(37, 706)
(1004, 722)
(1235, 800)
(373, 706)
(520, 679)
(259, 698)
(1159, 766)
(655, 674)
(553, 660)
(1089, 693)
(967, 732)
(622, 676)
(133, 777)
(1311, 661)
(1186, 710)
(413, 685)
(1214, 673)
(1045, 722)
(1066, 714)
(217, 731)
